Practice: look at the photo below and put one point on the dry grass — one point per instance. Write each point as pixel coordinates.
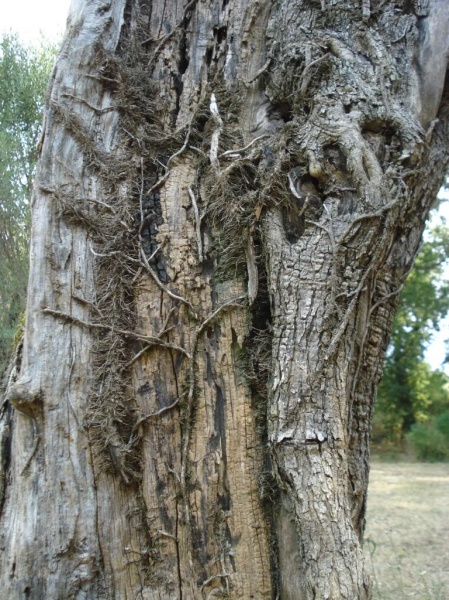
(408, 530)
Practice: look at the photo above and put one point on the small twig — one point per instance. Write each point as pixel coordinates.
(200, 152)
(429, 132)
(47, 190)
(163, 331)
(210, 318)
(137, 275)
(292, 187)
(110, 208)
(37, 439)
(159, 412)
(344, 322)
(138, 355)
(130, 334)
(97, 109)
(305, 73)
(166, 534)
(153, 254)
(213, 577)
(105, 254)
(101, 78)
(173, 472)
(125, 256)
(183, 147)
(167, 319)
(238, 150)
(159, 182)
(160, 284)
(400, 37)
(305, 206)
(167, 37)
(385, 298)
(372, 215)
(259, 72)
(159, 47)
(131, 136)
(323, 227)
(87, 303)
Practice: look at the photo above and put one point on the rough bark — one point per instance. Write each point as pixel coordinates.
(229, 198)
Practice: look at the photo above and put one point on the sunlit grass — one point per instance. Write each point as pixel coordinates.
(406, 541)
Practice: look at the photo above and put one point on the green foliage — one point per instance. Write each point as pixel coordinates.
(24, 72)
(411, 391)
(430, 441)
(442, 424)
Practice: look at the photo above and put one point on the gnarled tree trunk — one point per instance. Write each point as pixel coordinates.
(229, 198)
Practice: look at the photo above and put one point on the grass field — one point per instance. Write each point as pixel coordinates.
(407, 536)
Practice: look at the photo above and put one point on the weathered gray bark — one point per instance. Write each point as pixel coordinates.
(229, 197)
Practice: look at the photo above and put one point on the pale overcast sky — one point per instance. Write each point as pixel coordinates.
(31, 18)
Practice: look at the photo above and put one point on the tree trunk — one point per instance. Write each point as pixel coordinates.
(230, 195)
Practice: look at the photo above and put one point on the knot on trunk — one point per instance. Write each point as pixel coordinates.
(24, 397)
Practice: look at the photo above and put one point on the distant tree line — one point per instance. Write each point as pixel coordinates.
(413, 399)
(24, 73)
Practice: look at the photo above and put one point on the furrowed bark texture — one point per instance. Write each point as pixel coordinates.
(230, 195)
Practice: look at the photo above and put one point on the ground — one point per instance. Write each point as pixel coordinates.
(408, 530)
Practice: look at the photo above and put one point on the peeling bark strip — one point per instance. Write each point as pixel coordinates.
(229, 197)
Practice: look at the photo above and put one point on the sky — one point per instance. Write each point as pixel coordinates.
(33, 18)
(437, 350)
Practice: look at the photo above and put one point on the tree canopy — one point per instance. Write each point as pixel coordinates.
(24, 73)
(410, 389)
